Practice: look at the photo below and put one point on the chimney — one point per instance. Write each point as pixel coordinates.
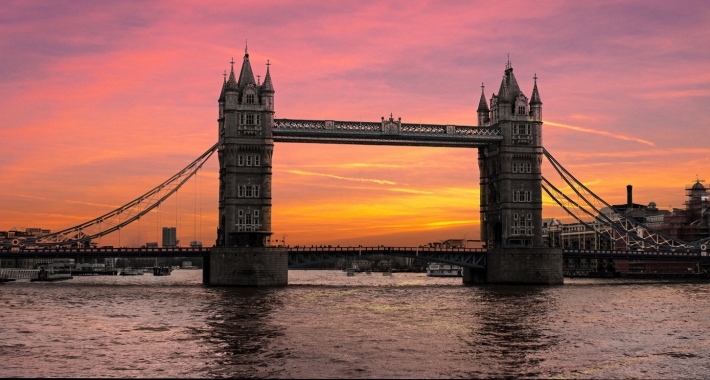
(629, 197)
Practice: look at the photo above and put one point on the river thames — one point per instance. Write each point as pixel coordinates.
(325, 324)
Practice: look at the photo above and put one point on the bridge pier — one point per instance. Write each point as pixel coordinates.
(474, 276)
(533, 266)
(246, 266)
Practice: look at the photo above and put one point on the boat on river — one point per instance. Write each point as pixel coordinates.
(130, 272)
(162, 271)
(443, 270)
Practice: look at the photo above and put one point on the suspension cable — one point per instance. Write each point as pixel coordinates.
(111, 221)
(654, 237)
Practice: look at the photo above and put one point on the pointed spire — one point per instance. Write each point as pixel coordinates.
(232, 82)
(221, 94)
(503, 94)
(246, 76)
(509, 88)
(535, 98)
(267, 86)
(482, 104)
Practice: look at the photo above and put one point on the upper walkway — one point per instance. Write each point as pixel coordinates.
(387, 132)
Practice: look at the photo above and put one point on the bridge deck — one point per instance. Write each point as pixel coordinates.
(372, 133)
(304, 256)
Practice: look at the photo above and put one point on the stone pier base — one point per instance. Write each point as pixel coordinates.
(474, 276)
(246, 266)
(541, 266)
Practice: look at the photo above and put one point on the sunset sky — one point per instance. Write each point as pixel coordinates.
(101, 102)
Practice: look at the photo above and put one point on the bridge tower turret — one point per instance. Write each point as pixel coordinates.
(483, 111)
(246, 119)
(511, 193)
(535, 103)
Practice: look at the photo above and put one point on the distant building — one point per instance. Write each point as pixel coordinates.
(16, 238)
(693, 223)
(456, 243)
(169, 237)
(689, 224)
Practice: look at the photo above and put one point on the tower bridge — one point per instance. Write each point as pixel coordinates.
(508, 138)
(509, 142)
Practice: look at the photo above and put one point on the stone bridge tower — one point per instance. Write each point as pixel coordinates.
(246, 116)
(511, 193)
(244, 255)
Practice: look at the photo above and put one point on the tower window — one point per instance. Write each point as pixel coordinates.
(250, 119)
(249, 159)
(516, 196)
(256, 213)
(241, 160)
(256, 160)
(250, 98)
(248, 192)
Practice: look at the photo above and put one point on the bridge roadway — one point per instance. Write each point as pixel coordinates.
(300, 257)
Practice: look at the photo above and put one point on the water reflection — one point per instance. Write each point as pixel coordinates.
(512, 329)
(240, 332)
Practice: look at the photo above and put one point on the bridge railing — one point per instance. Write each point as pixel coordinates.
(106, 249)
(375, 128)
(382, 249)
(680, 254)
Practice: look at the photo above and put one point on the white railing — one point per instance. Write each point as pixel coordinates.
(18, 274)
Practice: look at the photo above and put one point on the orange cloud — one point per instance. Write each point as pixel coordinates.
(380, 181)
(603, 133)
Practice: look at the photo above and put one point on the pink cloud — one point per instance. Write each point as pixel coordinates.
(102, 101)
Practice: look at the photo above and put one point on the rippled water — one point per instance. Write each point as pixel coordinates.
(326, 324)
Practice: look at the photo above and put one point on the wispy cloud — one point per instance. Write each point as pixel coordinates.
(411, 191)
(356, 165)
(414, 227)
(603, 133)
(380, 181)
(675, 94)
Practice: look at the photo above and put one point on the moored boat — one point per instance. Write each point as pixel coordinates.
(162, 271)
(443, 270)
